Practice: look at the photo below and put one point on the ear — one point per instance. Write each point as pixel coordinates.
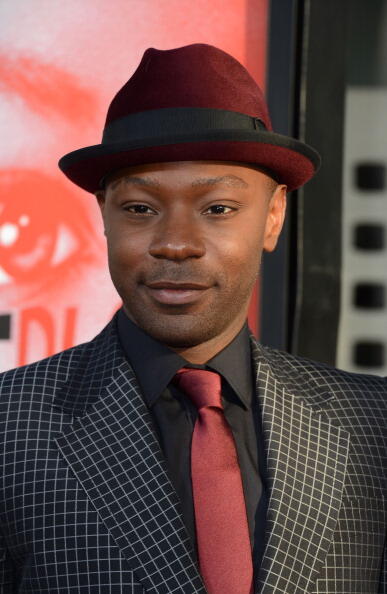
(100, 195)
(275, 218)
(101, 199)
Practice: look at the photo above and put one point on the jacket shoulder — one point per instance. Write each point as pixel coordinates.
(308, 376)
(45, 377)
(318, 368)
(369, 389)
(50, 371)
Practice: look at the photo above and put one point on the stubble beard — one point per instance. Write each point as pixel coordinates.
(187, 330)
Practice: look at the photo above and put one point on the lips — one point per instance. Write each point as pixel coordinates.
(172, 293)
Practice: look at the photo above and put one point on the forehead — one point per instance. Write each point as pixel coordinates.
(194, 173)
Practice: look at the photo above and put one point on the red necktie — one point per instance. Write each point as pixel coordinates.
(220, 513)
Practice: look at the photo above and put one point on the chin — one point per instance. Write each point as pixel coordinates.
(178, 331)
(179, 338)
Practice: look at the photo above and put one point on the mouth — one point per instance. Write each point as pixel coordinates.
(172, 293)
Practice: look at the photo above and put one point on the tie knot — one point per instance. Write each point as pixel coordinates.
(201, 386)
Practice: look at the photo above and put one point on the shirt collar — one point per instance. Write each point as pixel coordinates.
(145, 353)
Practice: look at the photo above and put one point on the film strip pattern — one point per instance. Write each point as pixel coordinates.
(362, 345)
(6, 334)
(5, 326)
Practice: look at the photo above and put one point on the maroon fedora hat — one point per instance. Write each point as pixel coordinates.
(191, 103)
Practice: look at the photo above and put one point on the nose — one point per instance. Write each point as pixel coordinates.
(177, 238)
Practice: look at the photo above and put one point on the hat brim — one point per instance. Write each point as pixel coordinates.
(291, 162)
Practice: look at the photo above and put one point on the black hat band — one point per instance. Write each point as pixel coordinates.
(177, 121)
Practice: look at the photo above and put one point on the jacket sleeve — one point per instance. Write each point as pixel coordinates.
(7, 570)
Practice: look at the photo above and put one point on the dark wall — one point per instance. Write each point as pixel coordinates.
(305, 274)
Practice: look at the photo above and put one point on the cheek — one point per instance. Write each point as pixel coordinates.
(125, 254)
(251, 259)
(243, 247)
(239, 259)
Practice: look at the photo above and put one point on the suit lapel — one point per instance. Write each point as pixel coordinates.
(306, 460)
(114, 453)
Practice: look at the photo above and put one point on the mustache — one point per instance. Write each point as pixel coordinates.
(185, 273)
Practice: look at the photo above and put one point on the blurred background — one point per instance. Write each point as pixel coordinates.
(323, 66)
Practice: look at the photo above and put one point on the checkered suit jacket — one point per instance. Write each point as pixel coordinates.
(87, 506)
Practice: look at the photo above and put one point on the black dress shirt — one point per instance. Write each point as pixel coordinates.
(174, 416)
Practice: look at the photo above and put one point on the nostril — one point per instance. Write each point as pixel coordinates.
(177, 251)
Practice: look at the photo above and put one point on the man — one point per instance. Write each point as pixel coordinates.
(173, 453)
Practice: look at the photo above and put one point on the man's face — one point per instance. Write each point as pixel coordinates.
(185, 241)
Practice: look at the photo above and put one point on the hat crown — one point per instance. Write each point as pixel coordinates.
(197, 75)
(192, 103)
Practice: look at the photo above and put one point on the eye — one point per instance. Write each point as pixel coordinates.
(219, 209)
(40, 239)
(139, 209)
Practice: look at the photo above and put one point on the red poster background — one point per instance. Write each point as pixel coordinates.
(60, 65)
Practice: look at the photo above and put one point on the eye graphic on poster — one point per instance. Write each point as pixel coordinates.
(60, 66)
(51, 246)
(41, 242)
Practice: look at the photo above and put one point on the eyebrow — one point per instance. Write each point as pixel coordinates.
(228, 180)
(136, 181)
